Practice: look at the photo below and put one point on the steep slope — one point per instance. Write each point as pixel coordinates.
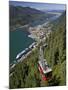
(55, 53)
(25, 15)
(22, 15)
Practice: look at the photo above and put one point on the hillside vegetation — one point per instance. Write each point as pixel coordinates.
(55, 53)
(25, 15)
(26, 73)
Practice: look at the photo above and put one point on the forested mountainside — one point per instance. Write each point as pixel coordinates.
(55, 52)
(25, 15)
(26, 73)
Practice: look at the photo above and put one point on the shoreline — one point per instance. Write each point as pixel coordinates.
(12, 65)
(32, 36)
(21, 26)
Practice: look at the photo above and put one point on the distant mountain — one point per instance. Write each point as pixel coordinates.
(55, 11)
(17, 10)
(24, 15)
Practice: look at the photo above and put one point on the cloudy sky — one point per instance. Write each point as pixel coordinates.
(40, 6)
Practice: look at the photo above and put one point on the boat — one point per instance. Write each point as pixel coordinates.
(32, 45)
(24, 52)
(20, 54)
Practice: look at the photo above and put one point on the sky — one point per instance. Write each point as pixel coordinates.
(39, 6)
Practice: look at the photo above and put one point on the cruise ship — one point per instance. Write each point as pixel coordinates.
(20, 54)
(25, 51)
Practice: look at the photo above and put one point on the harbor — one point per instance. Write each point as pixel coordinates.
(23, 54)
(38, 34)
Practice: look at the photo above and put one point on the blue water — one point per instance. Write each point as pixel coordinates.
(19, 40)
